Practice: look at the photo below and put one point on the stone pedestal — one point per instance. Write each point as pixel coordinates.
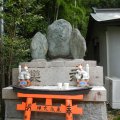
(49, 73)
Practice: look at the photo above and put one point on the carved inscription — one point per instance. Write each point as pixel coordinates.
(48, 108)
(58, 109)
(52, 109)
(45, 108)
(28, 107)
(69, 111)
(39, 107)
(35, 75)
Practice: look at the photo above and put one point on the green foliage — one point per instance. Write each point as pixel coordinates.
(108, 3)
(72, 11)
(101, 3)
(69, 11)
(117, 118)
(23, 17)
(16, 49)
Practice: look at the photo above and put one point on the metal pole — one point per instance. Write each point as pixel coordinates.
(1, 20)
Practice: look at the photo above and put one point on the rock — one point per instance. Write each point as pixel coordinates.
(77, 45)
(58, 36)
(39, 46)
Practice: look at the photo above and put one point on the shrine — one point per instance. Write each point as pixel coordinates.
(57, 84)
(44, 100)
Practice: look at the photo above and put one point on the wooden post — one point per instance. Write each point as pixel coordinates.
(27, 114)
(69, 115)
(48, 101)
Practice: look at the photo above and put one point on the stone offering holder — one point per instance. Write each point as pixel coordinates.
(52, 72)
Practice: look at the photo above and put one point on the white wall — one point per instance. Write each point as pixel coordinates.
(113, 53)
(103, 52)
(109, 40)
(100, 31)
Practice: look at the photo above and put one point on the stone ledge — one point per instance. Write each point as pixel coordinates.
(53, 75)
(96, 94)
(58, 63)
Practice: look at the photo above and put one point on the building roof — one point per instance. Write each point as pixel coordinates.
(105, 14)
(109, 16)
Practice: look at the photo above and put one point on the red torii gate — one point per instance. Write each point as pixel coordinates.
(67, 108)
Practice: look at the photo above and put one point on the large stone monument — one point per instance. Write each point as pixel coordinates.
(77, 44)
(58, 36)
(51, 72)
(39, 46)
(61, 41)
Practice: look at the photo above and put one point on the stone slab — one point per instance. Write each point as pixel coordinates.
(75, 62)
(96, 76)
(96, 94)
(41, 64)
(58, 63)
(8, 93)
(53, 75)
(92, 111)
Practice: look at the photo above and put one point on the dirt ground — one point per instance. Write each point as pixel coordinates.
(113, 114)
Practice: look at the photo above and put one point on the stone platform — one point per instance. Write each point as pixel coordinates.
(93, 104)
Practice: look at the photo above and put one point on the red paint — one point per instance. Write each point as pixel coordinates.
(67, 108)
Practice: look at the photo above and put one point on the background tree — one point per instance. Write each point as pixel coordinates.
(22, 19)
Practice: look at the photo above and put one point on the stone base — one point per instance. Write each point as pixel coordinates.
(52, 72)
(92, 111)
(93, 105)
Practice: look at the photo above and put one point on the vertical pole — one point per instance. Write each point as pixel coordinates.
(27, 114)
(69, 115)
(108, 54)
(49, 101)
